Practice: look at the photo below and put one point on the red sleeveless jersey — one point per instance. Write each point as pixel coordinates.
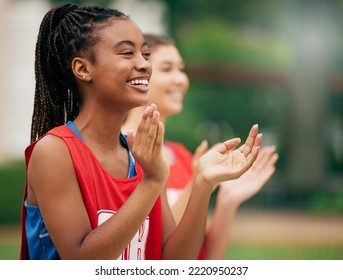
(103, 195)
(181, 169)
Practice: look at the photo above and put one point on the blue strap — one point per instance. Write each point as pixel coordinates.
(123, 140)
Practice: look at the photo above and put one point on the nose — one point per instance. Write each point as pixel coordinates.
(143, 65)
(180, 78)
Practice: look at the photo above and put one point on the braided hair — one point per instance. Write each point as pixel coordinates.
(65, 32)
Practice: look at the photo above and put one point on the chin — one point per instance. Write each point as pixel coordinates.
(143, 101)
(139, 103)
(175, 110)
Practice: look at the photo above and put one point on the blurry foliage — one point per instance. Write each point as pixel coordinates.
(334, 143)
(230, 112)
(322, 201)
(248, 32)
(237, 32)
(216, 42)
(12, 181)
(260, 13)
(258, 35)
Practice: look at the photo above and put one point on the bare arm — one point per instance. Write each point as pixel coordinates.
(185, 242)
(220, 163)
(63, 209)
(231, 195)
(180, 205)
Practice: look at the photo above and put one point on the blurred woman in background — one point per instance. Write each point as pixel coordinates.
(168, 86)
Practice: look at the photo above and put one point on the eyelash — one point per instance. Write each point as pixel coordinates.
(146, 55)
(183, 70)
(128, 53)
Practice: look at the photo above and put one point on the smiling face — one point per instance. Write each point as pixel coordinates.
(169, 83)
(118, 79)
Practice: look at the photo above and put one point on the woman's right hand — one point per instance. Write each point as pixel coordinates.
(251, 182)
(147, 146)
(224, 162)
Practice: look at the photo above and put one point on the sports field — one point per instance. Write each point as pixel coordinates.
(256, 235)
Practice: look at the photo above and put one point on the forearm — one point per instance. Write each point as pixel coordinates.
(186, 241)
(110, 239)
(180, 205)
(218, 236)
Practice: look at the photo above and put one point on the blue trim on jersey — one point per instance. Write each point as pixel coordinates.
(39, 242)
(132, 170)
(40, 246)
(73, 127)
(123, 140)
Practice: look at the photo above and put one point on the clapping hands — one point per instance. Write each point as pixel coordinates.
(147, 145)
(223, 162)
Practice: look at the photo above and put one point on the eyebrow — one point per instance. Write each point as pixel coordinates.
(168, 62)
(127, 42)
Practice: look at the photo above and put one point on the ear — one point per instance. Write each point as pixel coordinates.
(80, 68)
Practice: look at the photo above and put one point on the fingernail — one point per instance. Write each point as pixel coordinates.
(147, 110)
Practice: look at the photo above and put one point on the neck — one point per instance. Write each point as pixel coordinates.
(134, 118)
(100, 130)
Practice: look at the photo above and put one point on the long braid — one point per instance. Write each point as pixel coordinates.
(64, 33)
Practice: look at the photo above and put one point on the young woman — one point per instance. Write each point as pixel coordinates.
(167, 88)
(86, 195)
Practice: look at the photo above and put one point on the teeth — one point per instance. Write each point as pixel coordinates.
(139, 82)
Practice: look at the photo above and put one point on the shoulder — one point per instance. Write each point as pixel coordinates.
(50, 155)
(52, 144)
(49, 145)
(49, 168)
